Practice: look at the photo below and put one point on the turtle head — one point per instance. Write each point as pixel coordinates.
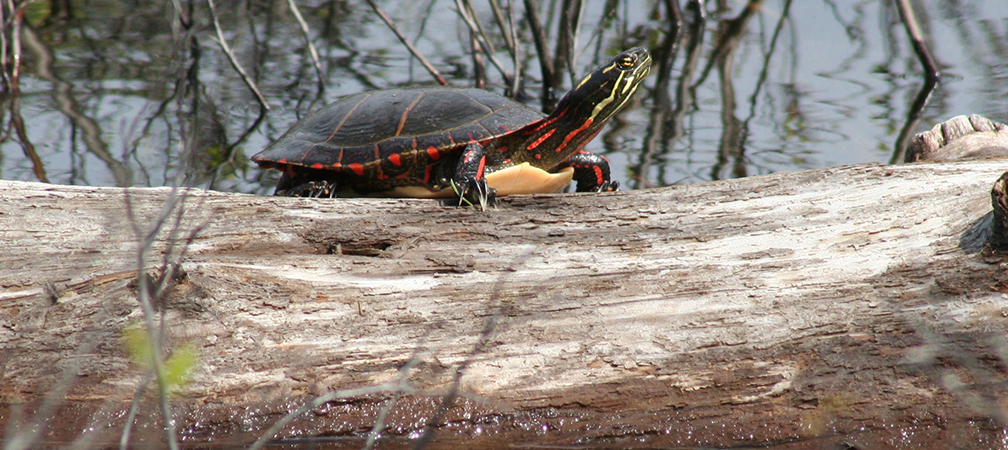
(605, 90)
(583, 112)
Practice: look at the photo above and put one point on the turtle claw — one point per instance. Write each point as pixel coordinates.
(468, 182)
(319, 189)
(311, 189)
(475, 192)
(485, 194)
(296, 182)
(608, 186)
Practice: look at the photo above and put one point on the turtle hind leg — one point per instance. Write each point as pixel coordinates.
(591, 172)
(303, 182)
(469, 181)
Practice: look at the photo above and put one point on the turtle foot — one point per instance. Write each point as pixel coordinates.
(475, 192)
(311, 189)
(608, 186)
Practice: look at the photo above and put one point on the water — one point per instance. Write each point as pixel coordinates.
(113, 94)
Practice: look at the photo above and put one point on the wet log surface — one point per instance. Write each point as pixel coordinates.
(850, 306)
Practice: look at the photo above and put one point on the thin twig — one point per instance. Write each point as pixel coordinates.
(3, 45)
(18, 124)
(27, 435)
(571, 15)
(183, 19)
(401, 386)
(231, 153)
(509, 38)
(516, 52)
(144, 295)
(931, 79)
(917, 38)
(416, 53)
(608, 14)
(17, 16)
(482, 343)
(134, 409)
(665, 55)
(546, 63)
(914, 116)
(479, 64)
(231, 57)
(469, 17)
(667, 51)
(148, 293)
(306, 32)
(761, 79)
(88, 128)
(321, 400)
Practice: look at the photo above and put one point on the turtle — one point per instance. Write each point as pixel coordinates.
(464, 143)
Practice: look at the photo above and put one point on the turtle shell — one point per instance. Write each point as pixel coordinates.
(396, 135)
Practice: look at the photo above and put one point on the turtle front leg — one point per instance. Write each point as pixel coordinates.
(304, 183)
(469, 182)
(591, 172)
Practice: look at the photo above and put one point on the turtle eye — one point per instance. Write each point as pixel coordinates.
(628, 61)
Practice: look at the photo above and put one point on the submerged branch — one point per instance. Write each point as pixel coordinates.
(931, 79)
(920, 47)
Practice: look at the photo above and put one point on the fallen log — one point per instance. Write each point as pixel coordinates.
(848, 306)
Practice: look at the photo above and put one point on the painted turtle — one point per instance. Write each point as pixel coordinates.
(469, 144)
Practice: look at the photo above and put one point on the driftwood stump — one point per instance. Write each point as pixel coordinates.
(851, 306)
(960, 138)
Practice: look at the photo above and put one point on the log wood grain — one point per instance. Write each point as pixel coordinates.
(844, 306)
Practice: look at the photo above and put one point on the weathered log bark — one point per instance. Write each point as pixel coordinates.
(844, 306)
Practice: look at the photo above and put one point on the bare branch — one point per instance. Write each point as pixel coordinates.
(571, 14)
(134, 409)
(516, 52)
(183, 18)
(17, 16)
(402, 386)
(931, 78)
(144, 295)
(306, 32)
(321, 400)
(231, 57)
(489, 328)
(416, 53)
(468, 16)
(18, 123)
(917, 38)
(509, 33)
(27, 435)
(546, 63)
(149, 292)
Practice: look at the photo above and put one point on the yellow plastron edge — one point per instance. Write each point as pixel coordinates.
(518, 179)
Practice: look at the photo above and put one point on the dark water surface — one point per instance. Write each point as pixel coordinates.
(118, 93)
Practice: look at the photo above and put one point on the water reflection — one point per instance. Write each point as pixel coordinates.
(119, 93)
